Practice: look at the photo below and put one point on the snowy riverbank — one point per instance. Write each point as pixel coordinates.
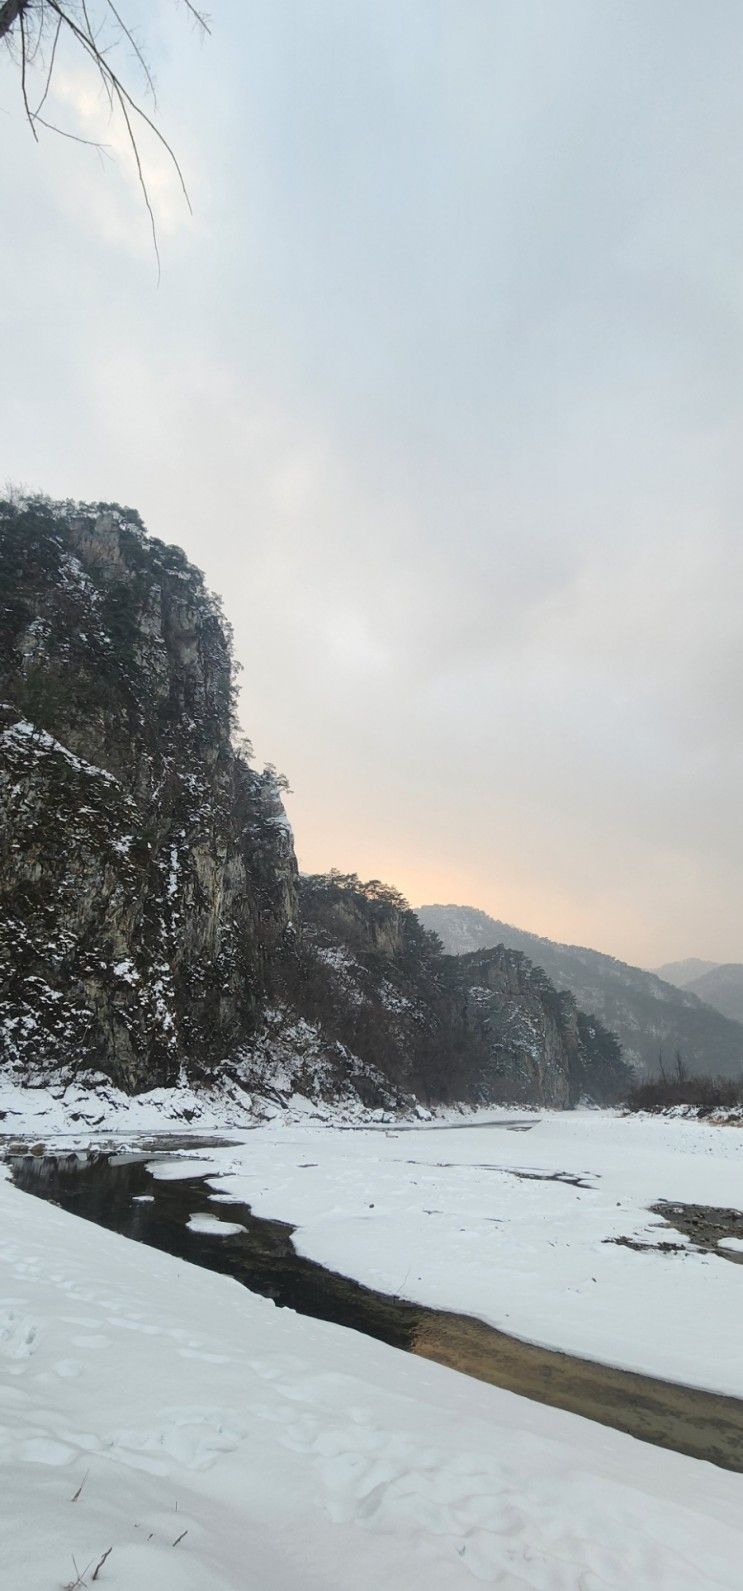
(521, 1228)
(547, 1232)
(208, 1437)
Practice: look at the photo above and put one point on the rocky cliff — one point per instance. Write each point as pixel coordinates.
(649, 1015)
(146, 871)
(152, 925)
(483, 1028)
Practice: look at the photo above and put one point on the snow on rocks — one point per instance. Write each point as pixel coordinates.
(176, 1167)
(213, 1226)
(74, 1107)
(36, 743)
(194, 1433)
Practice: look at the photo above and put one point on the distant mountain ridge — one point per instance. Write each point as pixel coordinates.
(719, 984)
(683, 973)
(721, 987)
(647, 1014)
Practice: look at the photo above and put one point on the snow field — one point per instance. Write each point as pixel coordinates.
(215, 1443)
(470, 1220)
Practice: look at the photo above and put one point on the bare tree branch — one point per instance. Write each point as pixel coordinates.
(120, 91)
(12, 10)
(29, 114)
(200, 16)
(143, 185)
(32, 23)
(91, 143)
(137, 51)
(51, 68)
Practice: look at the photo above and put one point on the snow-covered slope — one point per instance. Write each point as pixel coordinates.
(162, 1423)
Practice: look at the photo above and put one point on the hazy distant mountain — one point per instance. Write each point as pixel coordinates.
(683, 973)
(718, 984)
(646, 1013)
(722, 987)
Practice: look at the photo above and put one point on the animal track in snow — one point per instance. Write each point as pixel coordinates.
(18, 1335)
(193, 1438)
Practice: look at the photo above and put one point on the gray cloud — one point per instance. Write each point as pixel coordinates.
(442, 388)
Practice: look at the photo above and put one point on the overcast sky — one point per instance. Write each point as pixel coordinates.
(442, 388)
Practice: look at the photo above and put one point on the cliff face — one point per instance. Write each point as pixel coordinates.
(539, 1044)
(152, 926)
(648, 1014)
(146, 871)
(366, 973)
(484, 1028)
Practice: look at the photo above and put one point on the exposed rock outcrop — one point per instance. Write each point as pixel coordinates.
(152, 925)
(483, 1028)
(649, 1016)
(147, 874)
(539, 1044)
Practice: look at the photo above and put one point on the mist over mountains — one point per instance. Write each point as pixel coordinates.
(683, 973)
(650, 1016)
(720, 985)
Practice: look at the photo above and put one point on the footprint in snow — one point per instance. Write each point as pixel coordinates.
(18, 1335)
(190, 1438)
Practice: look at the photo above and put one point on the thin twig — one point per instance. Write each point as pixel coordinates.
(88, 32)
(140, 174)
(130, 36)
(80, 1573)
(119, 89)
(24, 91)
(199, 15)
(77, 138)
(51, 67)
(88, 23)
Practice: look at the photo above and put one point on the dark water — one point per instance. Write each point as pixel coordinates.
(105, 1187)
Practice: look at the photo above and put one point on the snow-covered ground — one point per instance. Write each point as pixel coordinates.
(462, 1219)
(214, 1443)
(70, 1107)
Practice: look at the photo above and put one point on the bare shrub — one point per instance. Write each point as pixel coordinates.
(704, 1093)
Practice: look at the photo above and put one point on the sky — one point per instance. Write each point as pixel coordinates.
(442, 386)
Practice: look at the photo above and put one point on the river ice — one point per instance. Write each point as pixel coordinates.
(520, 1228)
(214, 1442)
